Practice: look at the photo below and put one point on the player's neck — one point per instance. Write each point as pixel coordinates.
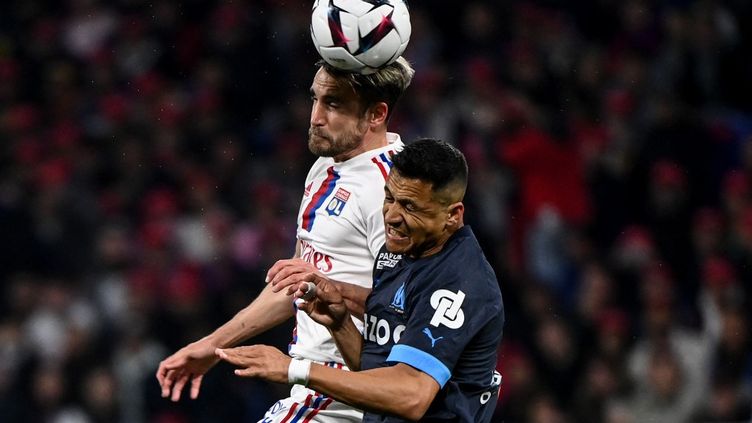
(374, 140)
(438, 246)
(371, 141)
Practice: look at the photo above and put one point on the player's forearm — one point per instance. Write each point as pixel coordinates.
(268, 310)
(382, 390)
(349, 342)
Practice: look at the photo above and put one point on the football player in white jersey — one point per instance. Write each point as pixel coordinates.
(340, 230)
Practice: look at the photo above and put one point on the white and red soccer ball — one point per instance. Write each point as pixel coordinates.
(360, 35)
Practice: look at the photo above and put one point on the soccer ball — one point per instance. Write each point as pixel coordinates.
(360, 35)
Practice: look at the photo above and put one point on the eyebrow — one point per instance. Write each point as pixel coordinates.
(327, 97)
(401, 200)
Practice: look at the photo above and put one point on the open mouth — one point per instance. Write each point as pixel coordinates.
(395, 235)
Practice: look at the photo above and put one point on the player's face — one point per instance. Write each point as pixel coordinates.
(415, 222)
(338, 122)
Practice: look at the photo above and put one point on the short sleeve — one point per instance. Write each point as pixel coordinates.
(444, 317)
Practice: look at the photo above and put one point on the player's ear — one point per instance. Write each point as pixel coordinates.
(377, 113)
(455, 215)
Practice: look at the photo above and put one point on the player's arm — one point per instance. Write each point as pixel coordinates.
(349, 342)
(355, 297)
(190, 363)
(286, 276)
(268, 310)
(398, 390)
(323, 302)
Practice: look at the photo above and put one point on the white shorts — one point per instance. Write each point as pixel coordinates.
(305, 405)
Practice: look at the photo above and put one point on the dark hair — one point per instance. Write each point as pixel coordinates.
(386, 84)
(433, 161)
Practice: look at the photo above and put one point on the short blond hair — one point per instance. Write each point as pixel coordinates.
(386, 85)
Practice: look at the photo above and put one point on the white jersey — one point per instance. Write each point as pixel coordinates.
(341, 229)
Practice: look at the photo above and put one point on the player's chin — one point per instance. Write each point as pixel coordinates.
(397, 244)
(320, 146)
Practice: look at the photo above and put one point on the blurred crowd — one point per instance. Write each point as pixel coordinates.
(152, 159)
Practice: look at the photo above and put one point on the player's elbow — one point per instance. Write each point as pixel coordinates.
(414, 407)
(414, 392)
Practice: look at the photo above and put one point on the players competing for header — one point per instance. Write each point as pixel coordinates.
(434, 318)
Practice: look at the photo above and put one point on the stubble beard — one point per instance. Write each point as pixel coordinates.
(324, 145)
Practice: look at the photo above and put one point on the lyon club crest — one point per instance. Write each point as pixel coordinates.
(337, 203)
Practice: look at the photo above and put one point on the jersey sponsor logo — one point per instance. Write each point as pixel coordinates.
(319, 260)
(342, 194)
(380, 331)
(387, 260)
(398, 302)
(430, 336)
(448, 308)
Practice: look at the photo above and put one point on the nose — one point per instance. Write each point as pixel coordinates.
(318, 117)
(391, 214)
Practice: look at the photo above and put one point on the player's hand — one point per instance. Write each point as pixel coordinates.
(189, 364)
(259, 361)
(287, 274)
(326, 305)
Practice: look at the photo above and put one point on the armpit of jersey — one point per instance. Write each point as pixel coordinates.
(420, 360)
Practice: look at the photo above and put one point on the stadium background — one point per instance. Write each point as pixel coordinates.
(152, 155)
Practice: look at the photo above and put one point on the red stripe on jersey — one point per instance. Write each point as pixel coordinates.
(303, 409)
(384, 173)
(290, 413)
(326, 188)
(316, 411)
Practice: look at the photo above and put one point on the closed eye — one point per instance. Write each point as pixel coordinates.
(409, 205)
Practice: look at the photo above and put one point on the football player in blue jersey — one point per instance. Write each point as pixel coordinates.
(434, 317)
